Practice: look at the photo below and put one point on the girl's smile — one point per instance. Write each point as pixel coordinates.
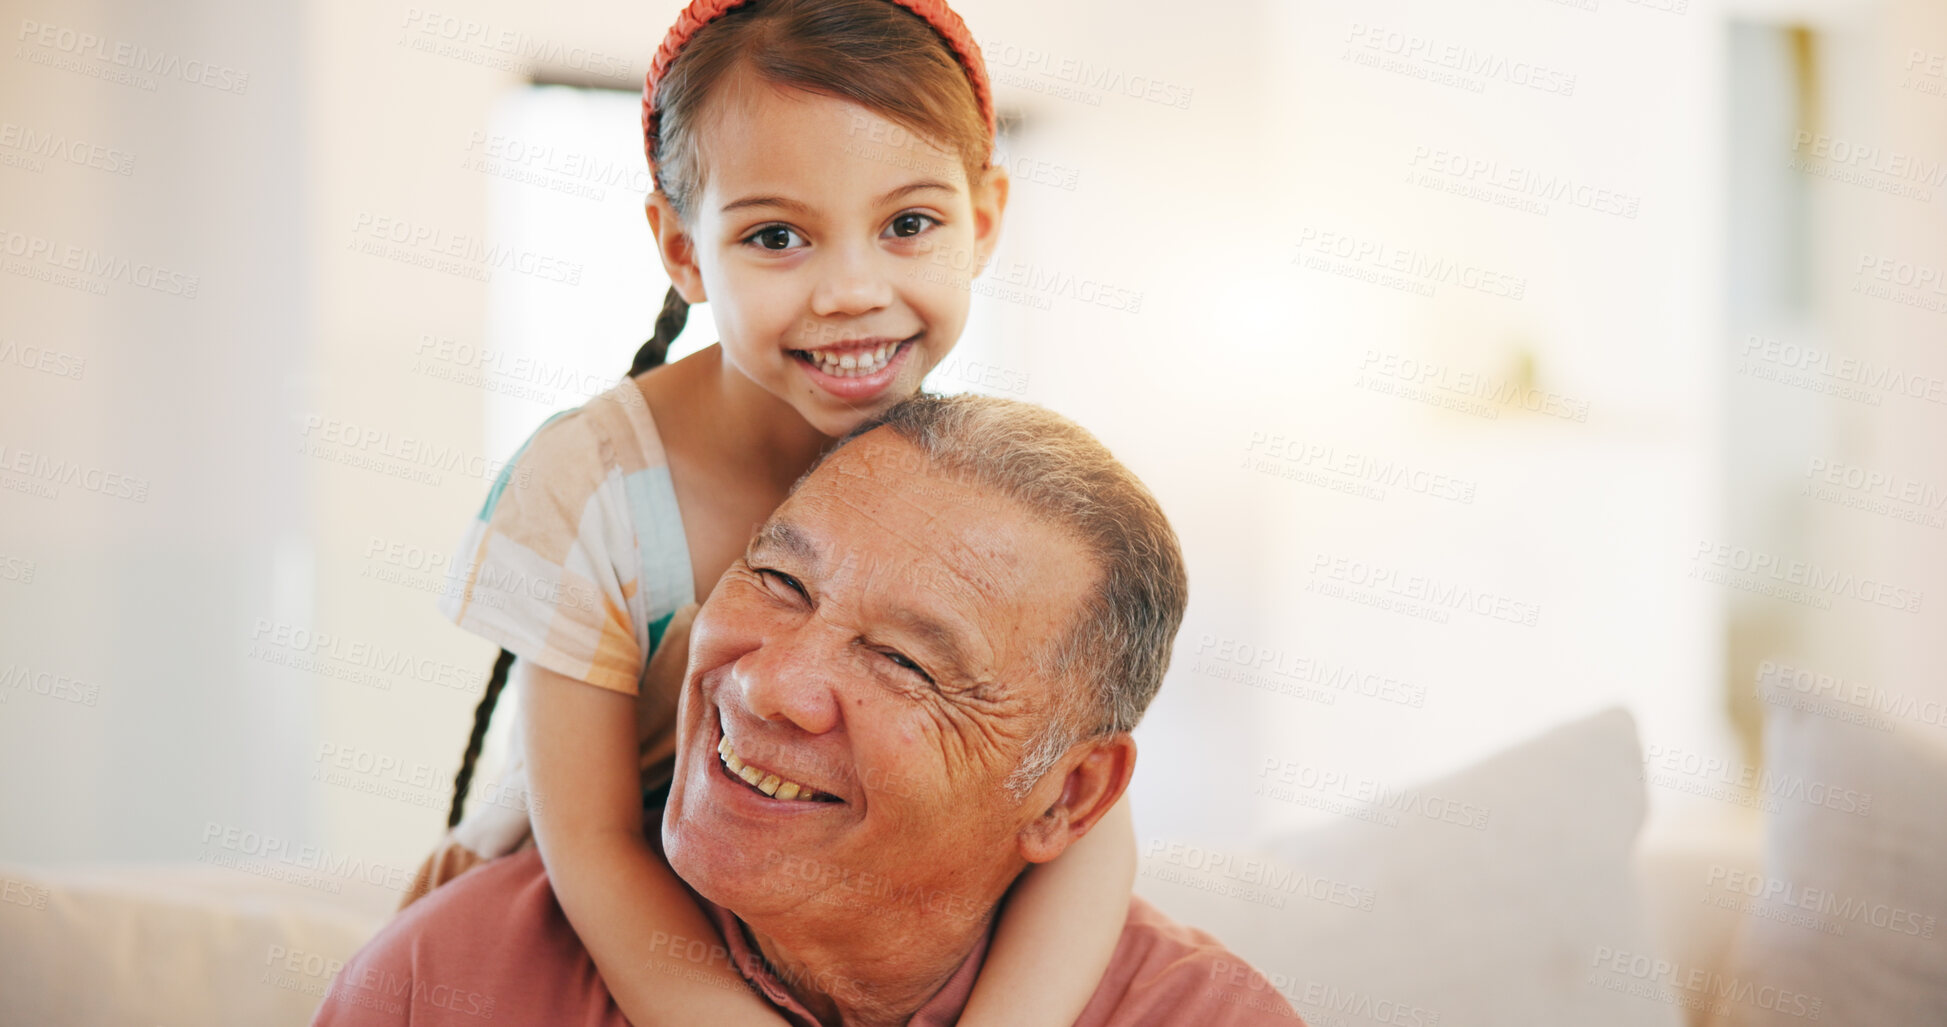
(857, 370)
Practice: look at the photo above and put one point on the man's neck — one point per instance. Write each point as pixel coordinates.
(865, 979)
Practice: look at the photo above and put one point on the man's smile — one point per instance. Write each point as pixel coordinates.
(763, 780)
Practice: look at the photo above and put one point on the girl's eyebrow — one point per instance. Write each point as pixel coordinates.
(765, 201)
(913, 187)
(796, 207)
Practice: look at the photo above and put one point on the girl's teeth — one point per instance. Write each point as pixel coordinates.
(856, 363)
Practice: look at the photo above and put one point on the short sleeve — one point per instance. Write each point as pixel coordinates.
(550, 568)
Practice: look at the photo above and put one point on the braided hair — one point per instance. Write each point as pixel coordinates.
(669, 324)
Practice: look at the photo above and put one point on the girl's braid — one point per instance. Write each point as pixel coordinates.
(669, 324)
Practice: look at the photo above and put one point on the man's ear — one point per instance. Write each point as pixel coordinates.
(989, 207)
(1086, 791)
(676, 247)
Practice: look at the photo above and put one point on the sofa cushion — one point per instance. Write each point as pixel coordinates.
(1848, 922)
(1500, 894)
(171, 944)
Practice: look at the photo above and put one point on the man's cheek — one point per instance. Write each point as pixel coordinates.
(980, 748)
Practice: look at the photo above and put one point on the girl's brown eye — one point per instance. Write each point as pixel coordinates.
(774, 238)
(909, 224)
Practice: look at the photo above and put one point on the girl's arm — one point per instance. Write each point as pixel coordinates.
(1058, 931)
(616, 890)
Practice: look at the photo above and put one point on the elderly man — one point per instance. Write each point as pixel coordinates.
(946, 632)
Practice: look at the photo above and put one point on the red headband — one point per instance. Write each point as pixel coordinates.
(702, 12)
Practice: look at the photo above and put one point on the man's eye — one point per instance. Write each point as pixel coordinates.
(784, 579)
(900, 659)
(907, 225)
(773, 237)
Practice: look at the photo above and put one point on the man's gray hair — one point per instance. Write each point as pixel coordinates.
(1118, 646)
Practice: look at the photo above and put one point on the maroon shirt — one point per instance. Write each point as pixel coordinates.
(492, 946)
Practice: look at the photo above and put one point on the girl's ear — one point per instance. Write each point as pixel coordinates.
(989, 204)
(676, 247)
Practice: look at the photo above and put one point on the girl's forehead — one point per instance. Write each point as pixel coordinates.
(757, 135)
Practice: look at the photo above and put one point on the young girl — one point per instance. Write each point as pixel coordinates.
(824, 181)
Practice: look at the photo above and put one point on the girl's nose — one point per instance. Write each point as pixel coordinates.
(851, 283)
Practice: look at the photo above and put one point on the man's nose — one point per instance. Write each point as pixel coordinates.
(852, 281)
(793, 678)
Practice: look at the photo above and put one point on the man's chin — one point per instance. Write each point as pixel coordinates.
(747, 880)
(717, 859)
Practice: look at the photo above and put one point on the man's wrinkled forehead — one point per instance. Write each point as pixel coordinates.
(926, 520)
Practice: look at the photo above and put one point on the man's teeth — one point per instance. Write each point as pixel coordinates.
(762, 780)
(853, 363)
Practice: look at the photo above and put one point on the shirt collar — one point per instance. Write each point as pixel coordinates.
(942, 1010)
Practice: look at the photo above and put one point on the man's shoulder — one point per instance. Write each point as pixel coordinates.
(1167, 972)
